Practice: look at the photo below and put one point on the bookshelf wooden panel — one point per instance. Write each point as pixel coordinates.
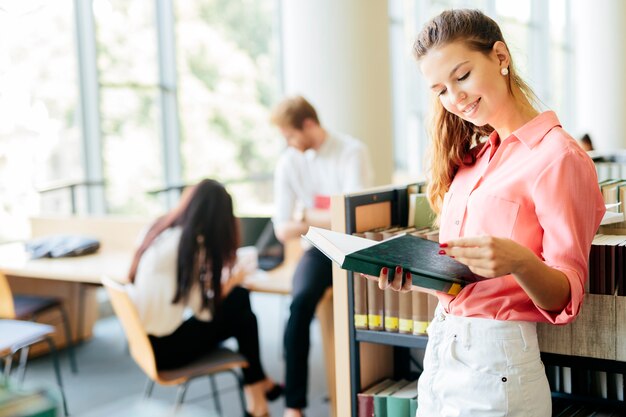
(364, 356)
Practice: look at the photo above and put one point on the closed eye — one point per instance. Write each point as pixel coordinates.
(442, 92)
(464, 77)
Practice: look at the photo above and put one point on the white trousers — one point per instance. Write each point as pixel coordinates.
(482, 367)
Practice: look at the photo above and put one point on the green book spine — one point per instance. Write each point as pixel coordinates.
(413, 407)
(380, 406)
(398, 407)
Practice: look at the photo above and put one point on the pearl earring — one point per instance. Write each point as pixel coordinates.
(504, 71)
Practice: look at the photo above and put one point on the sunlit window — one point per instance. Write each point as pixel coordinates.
(226, 58)
(129, 104)
(225, 85)
(39, 133)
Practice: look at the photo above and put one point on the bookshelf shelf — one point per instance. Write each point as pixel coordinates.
(579, 399)
(392, 339)
(603, 365)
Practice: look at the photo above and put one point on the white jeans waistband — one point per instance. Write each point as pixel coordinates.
(474, 329)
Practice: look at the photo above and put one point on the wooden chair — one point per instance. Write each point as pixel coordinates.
(219, 360)
(18, 336)
(30, 307)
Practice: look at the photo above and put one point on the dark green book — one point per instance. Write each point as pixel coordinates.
(415, 255)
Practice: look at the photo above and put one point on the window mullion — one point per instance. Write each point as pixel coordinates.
(170, 128)
(89, 99)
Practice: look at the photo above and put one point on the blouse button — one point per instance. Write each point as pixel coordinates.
(456, 222)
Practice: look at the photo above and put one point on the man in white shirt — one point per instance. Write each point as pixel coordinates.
(315, 165)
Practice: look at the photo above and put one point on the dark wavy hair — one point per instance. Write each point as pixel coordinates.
(205, 214)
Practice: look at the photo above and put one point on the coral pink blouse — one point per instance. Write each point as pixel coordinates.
(540, 189)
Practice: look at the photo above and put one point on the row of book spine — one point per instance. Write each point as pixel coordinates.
(569, 408)
(607, 265)
(586, 382)
(388, 398)
(389, 310)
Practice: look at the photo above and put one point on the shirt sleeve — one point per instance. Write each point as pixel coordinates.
(569, 207)
(357, 170)
(284, 195)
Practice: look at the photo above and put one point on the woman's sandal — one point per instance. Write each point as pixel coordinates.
(274, 393)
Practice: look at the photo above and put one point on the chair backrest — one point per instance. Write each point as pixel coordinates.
(139, 344)
(7, 308)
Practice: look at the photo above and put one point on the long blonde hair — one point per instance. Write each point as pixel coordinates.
(454, 141)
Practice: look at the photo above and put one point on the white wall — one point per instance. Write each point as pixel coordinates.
(600, 53)
(336, 54)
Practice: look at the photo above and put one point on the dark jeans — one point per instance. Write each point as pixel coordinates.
(311, 279)
(194, 337)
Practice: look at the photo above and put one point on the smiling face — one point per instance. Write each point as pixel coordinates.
(469, 83)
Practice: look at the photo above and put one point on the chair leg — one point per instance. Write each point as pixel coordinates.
(68, 340)
(182, 390)
(239, 379)
(21, 369)
(57, 371)
(216, 396)
(8, 363)
(148, 390)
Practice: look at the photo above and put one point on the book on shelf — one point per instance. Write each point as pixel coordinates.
(360, 303)
(419, 310)
(399, 403)
(420, 212)
(380, 399)
(375, 306)
(405, 315)
(415, 255)
(365, 399)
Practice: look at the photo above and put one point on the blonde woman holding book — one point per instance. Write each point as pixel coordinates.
(518, 202)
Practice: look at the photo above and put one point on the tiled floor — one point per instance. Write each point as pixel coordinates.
(109, 383)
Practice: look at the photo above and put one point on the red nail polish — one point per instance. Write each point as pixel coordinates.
(442, 252)
(443, 245)
(384, 271)
(398, 269)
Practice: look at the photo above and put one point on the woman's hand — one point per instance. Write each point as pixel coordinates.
(493, 257)
(397, 284)
(489, 256)
(237, 276)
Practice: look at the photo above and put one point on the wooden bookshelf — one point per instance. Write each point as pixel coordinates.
(364, 357)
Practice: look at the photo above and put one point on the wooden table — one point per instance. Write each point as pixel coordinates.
(72, 279)
(75, 280)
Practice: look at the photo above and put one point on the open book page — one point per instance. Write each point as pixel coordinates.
(336, 245)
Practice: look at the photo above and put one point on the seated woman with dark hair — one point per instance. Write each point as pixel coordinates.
(186, 288)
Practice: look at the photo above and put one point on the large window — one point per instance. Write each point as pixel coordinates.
(40, 142)
(132, 157)
(537, 33)
(135, 97)
(226, 61)
(201, 111)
